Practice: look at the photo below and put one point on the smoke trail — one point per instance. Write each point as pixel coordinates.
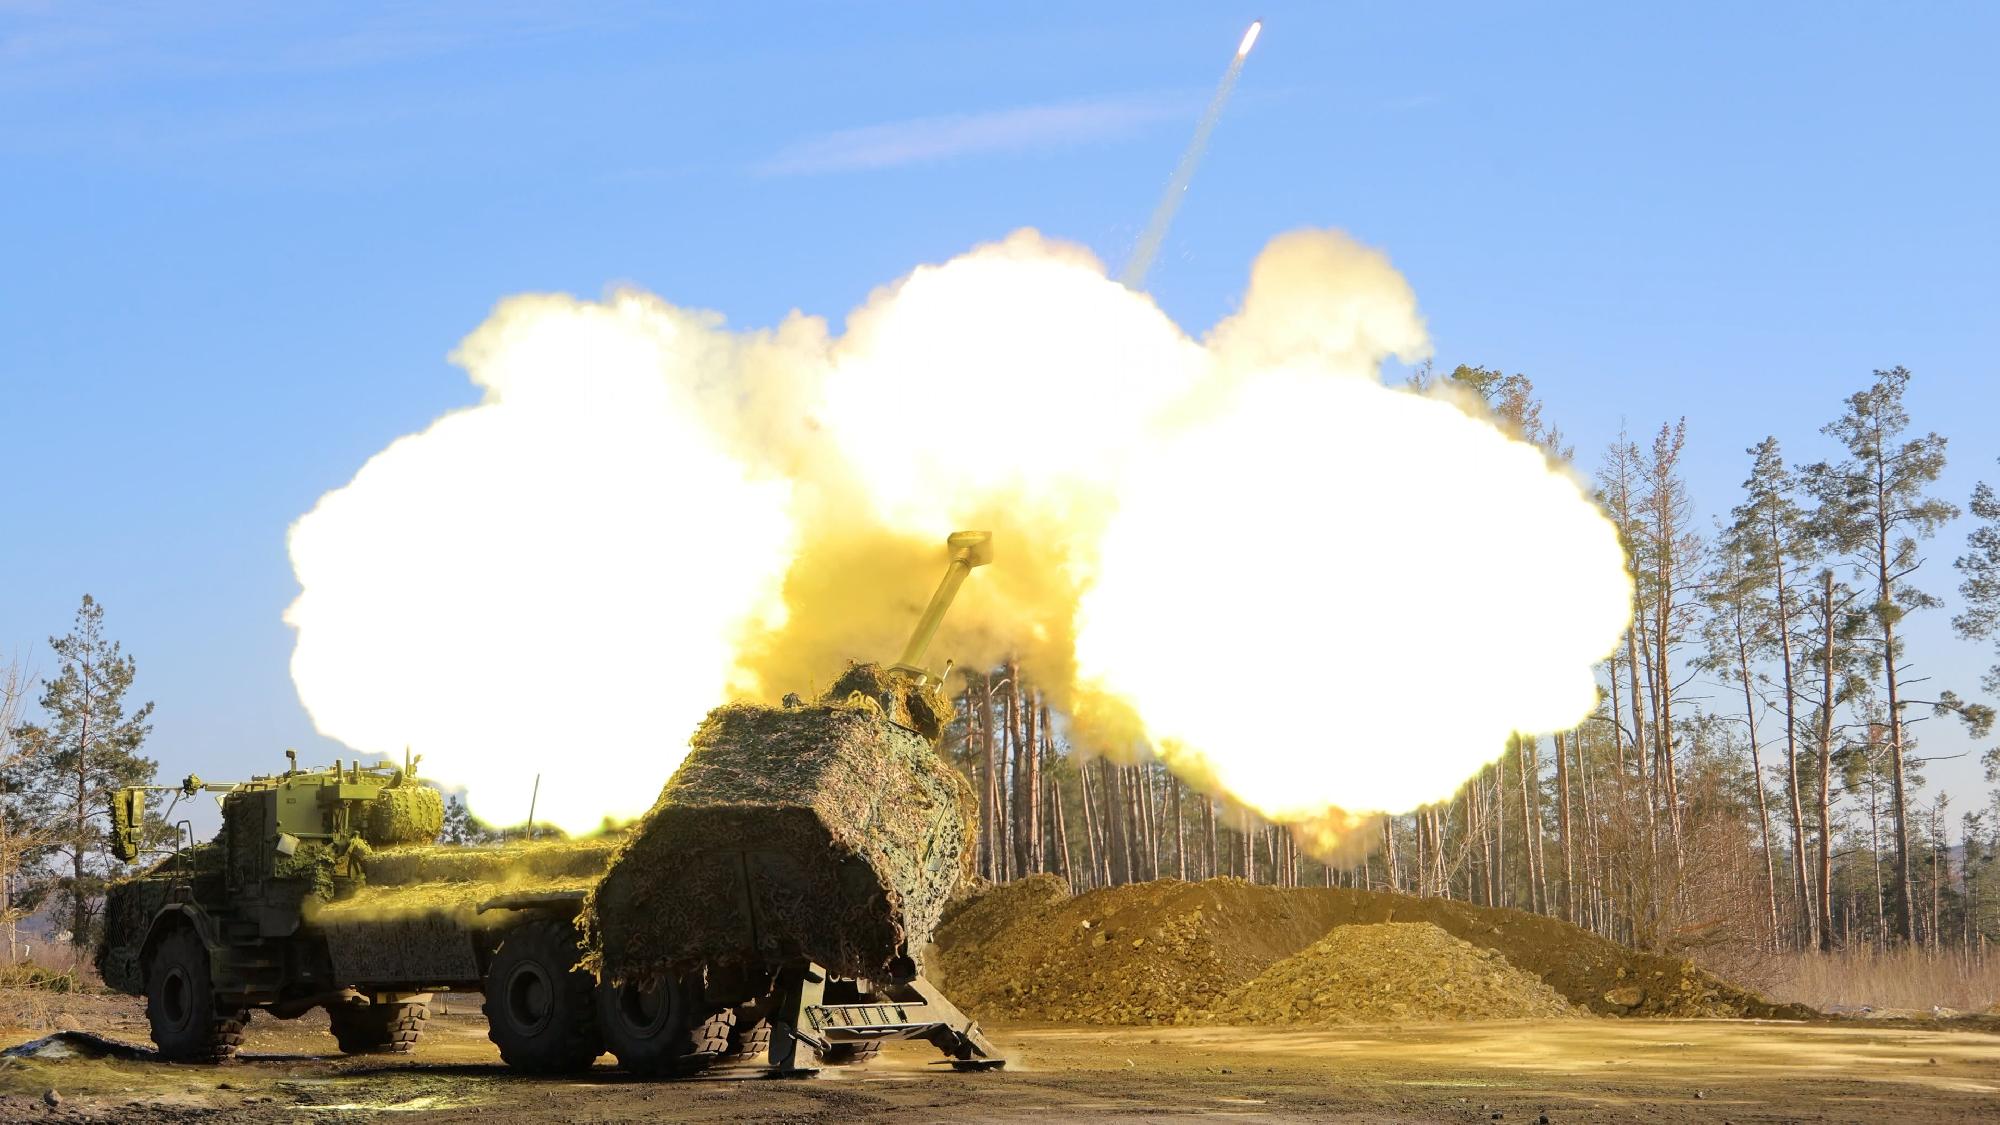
(1155, 234)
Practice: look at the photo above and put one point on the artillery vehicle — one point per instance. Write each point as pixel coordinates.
(775, 900)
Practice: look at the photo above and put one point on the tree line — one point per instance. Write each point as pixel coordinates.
(1751, 776)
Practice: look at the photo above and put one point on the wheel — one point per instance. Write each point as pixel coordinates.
(187, 1023)
(749, 1040)
(713, 1035)
(848, 1054)
(648, 1027)
(362, 1028)
(539, 1008)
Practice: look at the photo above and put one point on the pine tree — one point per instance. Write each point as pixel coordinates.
(1981, 588)
(86, 747)
(1734, 643)
(1875, 510)
(1768, 533)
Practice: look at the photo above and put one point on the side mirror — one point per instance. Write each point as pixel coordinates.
(128, 818)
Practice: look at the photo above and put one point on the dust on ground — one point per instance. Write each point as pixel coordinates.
(1169, 952)
(1571, 1071)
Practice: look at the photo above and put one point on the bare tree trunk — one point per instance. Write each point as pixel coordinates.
(1486, 852)
(1135, 825)
(1180, 833)
(1527, 753)
(1875, 855)
(1423, 858)
(1150, 817)
(1757, 771)
(1822, 923)
(1117, 829)
(1645, 783)
(1390, 863)
(978, 727)
(1663, 715)
(1885, 593)
(997, 749)
(79, 931)
(1937, 846)
(1249, 849)
(1091, 836)
(1906, 919)
(1639, 722)
(1500, 832)
(1039, 737)
(1208, 830)
(1809, 908)
(1061, 828)
(1593, 856)
(1563, 831)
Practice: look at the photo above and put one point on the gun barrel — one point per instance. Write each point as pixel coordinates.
(969, 549)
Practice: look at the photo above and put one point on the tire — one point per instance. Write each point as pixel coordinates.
(848, 1054)
(713, 1035)
(749, 1040)
(362, 1028)
(187, 1023)
(539, 1006)
(649, 1028)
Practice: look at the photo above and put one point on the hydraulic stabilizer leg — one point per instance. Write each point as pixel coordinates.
(956, 1034)
(800, 990)
(916, 1010)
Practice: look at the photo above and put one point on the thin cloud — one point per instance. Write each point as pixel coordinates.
(45, 44)
(929, 140)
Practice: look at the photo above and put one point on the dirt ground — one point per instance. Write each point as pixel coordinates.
(1584, 1070)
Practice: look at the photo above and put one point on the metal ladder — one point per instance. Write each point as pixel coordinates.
(915, 1010)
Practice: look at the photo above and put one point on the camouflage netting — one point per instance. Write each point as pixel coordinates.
(129, 908)
(825, 831)
(411, 917)
(405, 814)
(924, 711)
(448, 879)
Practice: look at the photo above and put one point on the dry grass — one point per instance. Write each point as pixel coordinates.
(1918, 979)
(45, 991)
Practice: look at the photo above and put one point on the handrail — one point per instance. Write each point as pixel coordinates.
(183, 876)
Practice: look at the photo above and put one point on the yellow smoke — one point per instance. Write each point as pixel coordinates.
(1308, 593)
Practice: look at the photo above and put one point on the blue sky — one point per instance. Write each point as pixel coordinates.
(237, 241)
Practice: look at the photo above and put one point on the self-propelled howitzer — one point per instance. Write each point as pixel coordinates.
(777, 896)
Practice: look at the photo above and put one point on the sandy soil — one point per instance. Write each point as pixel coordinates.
(1567, 1071)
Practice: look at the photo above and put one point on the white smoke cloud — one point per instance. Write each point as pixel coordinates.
(650, 512)
(552, 582)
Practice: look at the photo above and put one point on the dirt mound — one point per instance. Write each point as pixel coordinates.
(1393, 972)
(982, 909)
(1171, 952)
(1160, 952)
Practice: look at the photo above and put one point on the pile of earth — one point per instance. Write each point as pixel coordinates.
(1174, 952)
(1395, 972)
